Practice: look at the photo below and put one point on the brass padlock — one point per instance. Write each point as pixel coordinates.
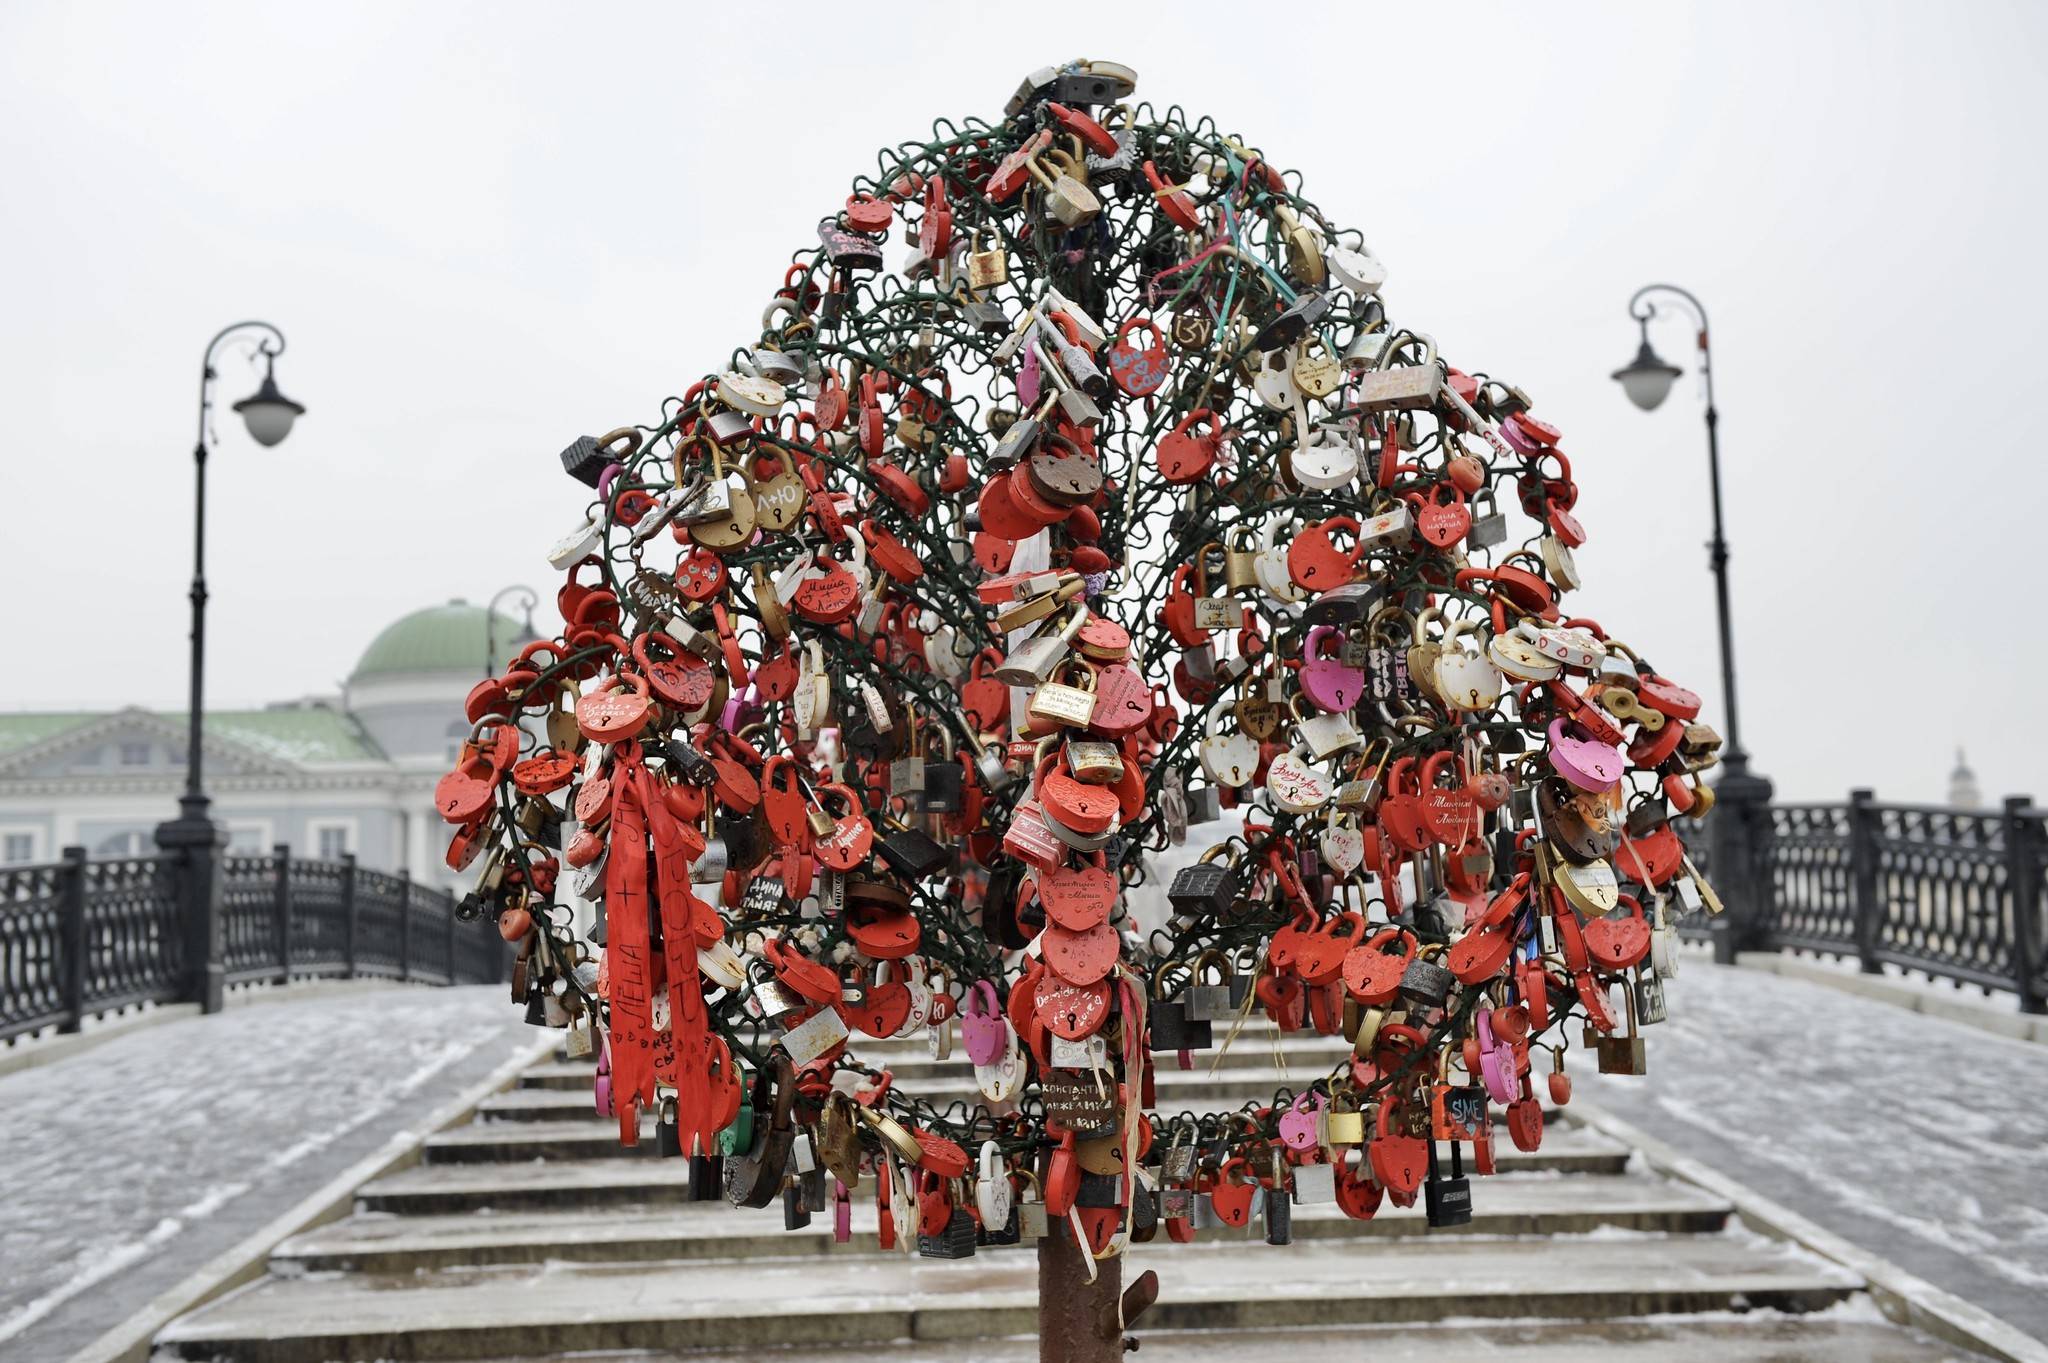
(1095, 762)
(987, 266)
(1062, 702)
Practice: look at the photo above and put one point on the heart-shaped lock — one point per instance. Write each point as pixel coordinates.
(782, 802)
(1667, 697)
(881, 1011)
(1442, 518)
(1655, 857)
(1186, 453)
(1619, 943)
(1587, 764)
(1464, 677)
(1298, 1125)
(1231, 1200)
(1447, 804)
(1085, 808)
(1314, 561)
(1083, 957)
(984, 1031)
(1342, 844)
(1296, 786)
(1078, 898)
(1123, 702)
(1479, 954)
(1399, 1160)
(1519, 658)
(546, 772)
(1068, 1010)
(466, 793)
(1319, 959)
(847, 844)
(882, 931)
(612, 715)
(1139, 371)
(679, 677)
(1325, 462)
(813, 980)
(1331, 684)
(1230, 759)
(1591, 888)
(1371, 972)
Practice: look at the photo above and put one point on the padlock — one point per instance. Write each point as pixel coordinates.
(956, 1241)
(1205, 888)
(1447, 1202)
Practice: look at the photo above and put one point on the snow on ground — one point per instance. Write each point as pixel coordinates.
(131, 1164)
(1921, 1139)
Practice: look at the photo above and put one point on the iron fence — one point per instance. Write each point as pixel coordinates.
(1954, 893)
(79, 937)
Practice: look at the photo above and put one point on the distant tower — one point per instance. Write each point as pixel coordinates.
(1962, 785)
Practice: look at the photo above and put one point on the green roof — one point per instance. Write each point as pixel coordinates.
(309, 735)
(21, 730)
(299, 736)
(448, 638)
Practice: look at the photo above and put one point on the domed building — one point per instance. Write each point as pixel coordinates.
(327, 775)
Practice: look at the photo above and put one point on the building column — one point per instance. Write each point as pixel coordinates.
(418, 861)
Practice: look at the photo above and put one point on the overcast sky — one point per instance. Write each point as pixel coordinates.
(489, 228)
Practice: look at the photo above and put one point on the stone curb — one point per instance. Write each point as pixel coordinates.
(250, 1258)
(2008, 1022)
(1905, 1298)
(34, 1052)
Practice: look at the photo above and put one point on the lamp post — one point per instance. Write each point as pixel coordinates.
(268, 414)
(529, 598)
(1742, 831)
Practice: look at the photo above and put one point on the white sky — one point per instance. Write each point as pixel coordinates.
(488, 228)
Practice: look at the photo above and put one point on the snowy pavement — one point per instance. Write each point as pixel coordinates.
(132, 1164)
(1920, 1139)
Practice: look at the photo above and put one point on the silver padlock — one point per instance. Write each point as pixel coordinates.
(1314, 1183)
(814, 1036)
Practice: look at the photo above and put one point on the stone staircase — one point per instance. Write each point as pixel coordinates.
(531, 1233)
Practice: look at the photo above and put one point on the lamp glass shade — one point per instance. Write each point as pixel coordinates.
(268, 413)
(1647, 379)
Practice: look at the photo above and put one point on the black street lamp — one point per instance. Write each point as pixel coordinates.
(529, 598)
(1740, 829)
(1647, 380)
(269, 415)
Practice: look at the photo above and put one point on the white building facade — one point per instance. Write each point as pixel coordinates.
(328, 775)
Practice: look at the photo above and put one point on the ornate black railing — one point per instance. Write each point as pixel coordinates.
(1954, 893)
(80, 937)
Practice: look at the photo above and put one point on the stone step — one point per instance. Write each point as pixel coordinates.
(1511, 1204)
(595, 1170)
(1315, 1055)
(1174, 1089)
(553, 1097)
(554, 1105)
(434, 1189)
(587, 1137)
(560, 1308)
(1255, 1028)
(1846, 1334)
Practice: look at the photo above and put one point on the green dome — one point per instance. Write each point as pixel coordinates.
(448, 638)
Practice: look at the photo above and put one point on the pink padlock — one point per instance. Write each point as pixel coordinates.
(842, 1213)
(1298, 1123)
(1583, 762)
(1325, 680)
(603, 1087)
(1496, 1061)
(1514, 435)
(983, 1028)
(1027, 378)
